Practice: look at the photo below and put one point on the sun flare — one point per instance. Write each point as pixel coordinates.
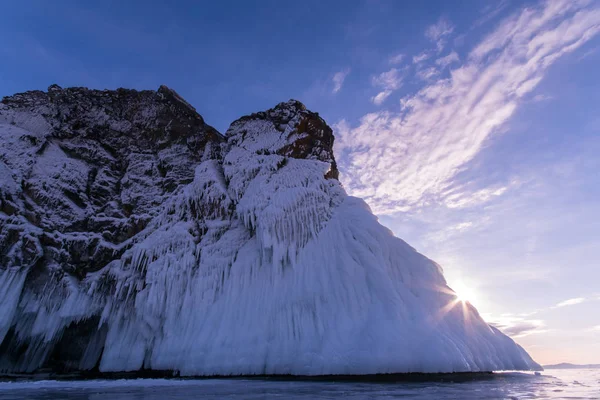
(463, 292)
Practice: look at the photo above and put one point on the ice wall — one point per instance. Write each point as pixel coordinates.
(262, 264)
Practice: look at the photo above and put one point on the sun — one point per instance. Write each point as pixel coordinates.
(463, 292)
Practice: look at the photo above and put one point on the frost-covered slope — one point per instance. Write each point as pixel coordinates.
(135, 236)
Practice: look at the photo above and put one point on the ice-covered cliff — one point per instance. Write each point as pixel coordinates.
(134, 236)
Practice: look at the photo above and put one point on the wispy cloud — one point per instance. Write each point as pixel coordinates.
(491, 11)
(589, 53)
(388, 81)
(445, 233)
(570, 302)
(541, 97)
(522, 324)
(439, 32)
(338, 79)
(462, 199)
(516, 326)
(391, 79)
(419, 58)
(443, 62)
(380, 97)
(396, 59)
(428, 73)
(405, 158)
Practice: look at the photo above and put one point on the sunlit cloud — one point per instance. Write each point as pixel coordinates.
(515, 325)
(404, 158)
(442, 235)
(523, 324)
(338, 79)
(570, 302)
(462, 199)
(524, 328)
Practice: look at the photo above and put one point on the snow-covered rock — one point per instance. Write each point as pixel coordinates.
(134, 236)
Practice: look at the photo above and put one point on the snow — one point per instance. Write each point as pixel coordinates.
(260, 265)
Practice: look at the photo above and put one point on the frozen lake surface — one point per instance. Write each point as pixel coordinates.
(552, 384)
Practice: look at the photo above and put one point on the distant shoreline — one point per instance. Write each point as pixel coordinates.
(571, 366)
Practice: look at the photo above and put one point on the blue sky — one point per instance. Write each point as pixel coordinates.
(471, 128)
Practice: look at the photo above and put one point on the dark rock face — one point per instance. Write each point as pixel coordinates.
(92, 169)
(83, 173)
(308, 135)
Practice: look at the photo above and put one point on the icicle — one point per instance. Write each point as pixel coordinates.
(11, 285)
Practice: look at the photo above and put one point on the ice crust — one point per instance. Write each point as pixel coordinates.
(259, 265)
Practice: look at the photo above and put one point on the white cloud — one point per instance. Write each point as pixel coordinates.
(458, 199)
(381, 97)
(462, 226)
(403, 159)
(570, 302)
(443, 62)
(541, 97)
(388, 81)
(442, 235)
(426, 74)
(419, 58)
(396, 59)
(438, 32)
(339, 78)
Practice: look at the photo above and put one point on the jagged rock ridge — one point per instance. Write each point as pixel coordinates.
(134, 235)
(92, 168)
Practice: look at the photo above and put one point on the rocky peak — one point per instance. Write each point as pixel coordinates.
(71, 110)
(294, 132)
(174, 97)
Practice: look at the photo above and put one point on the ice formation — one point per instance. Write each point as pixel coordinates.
(134, 236)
